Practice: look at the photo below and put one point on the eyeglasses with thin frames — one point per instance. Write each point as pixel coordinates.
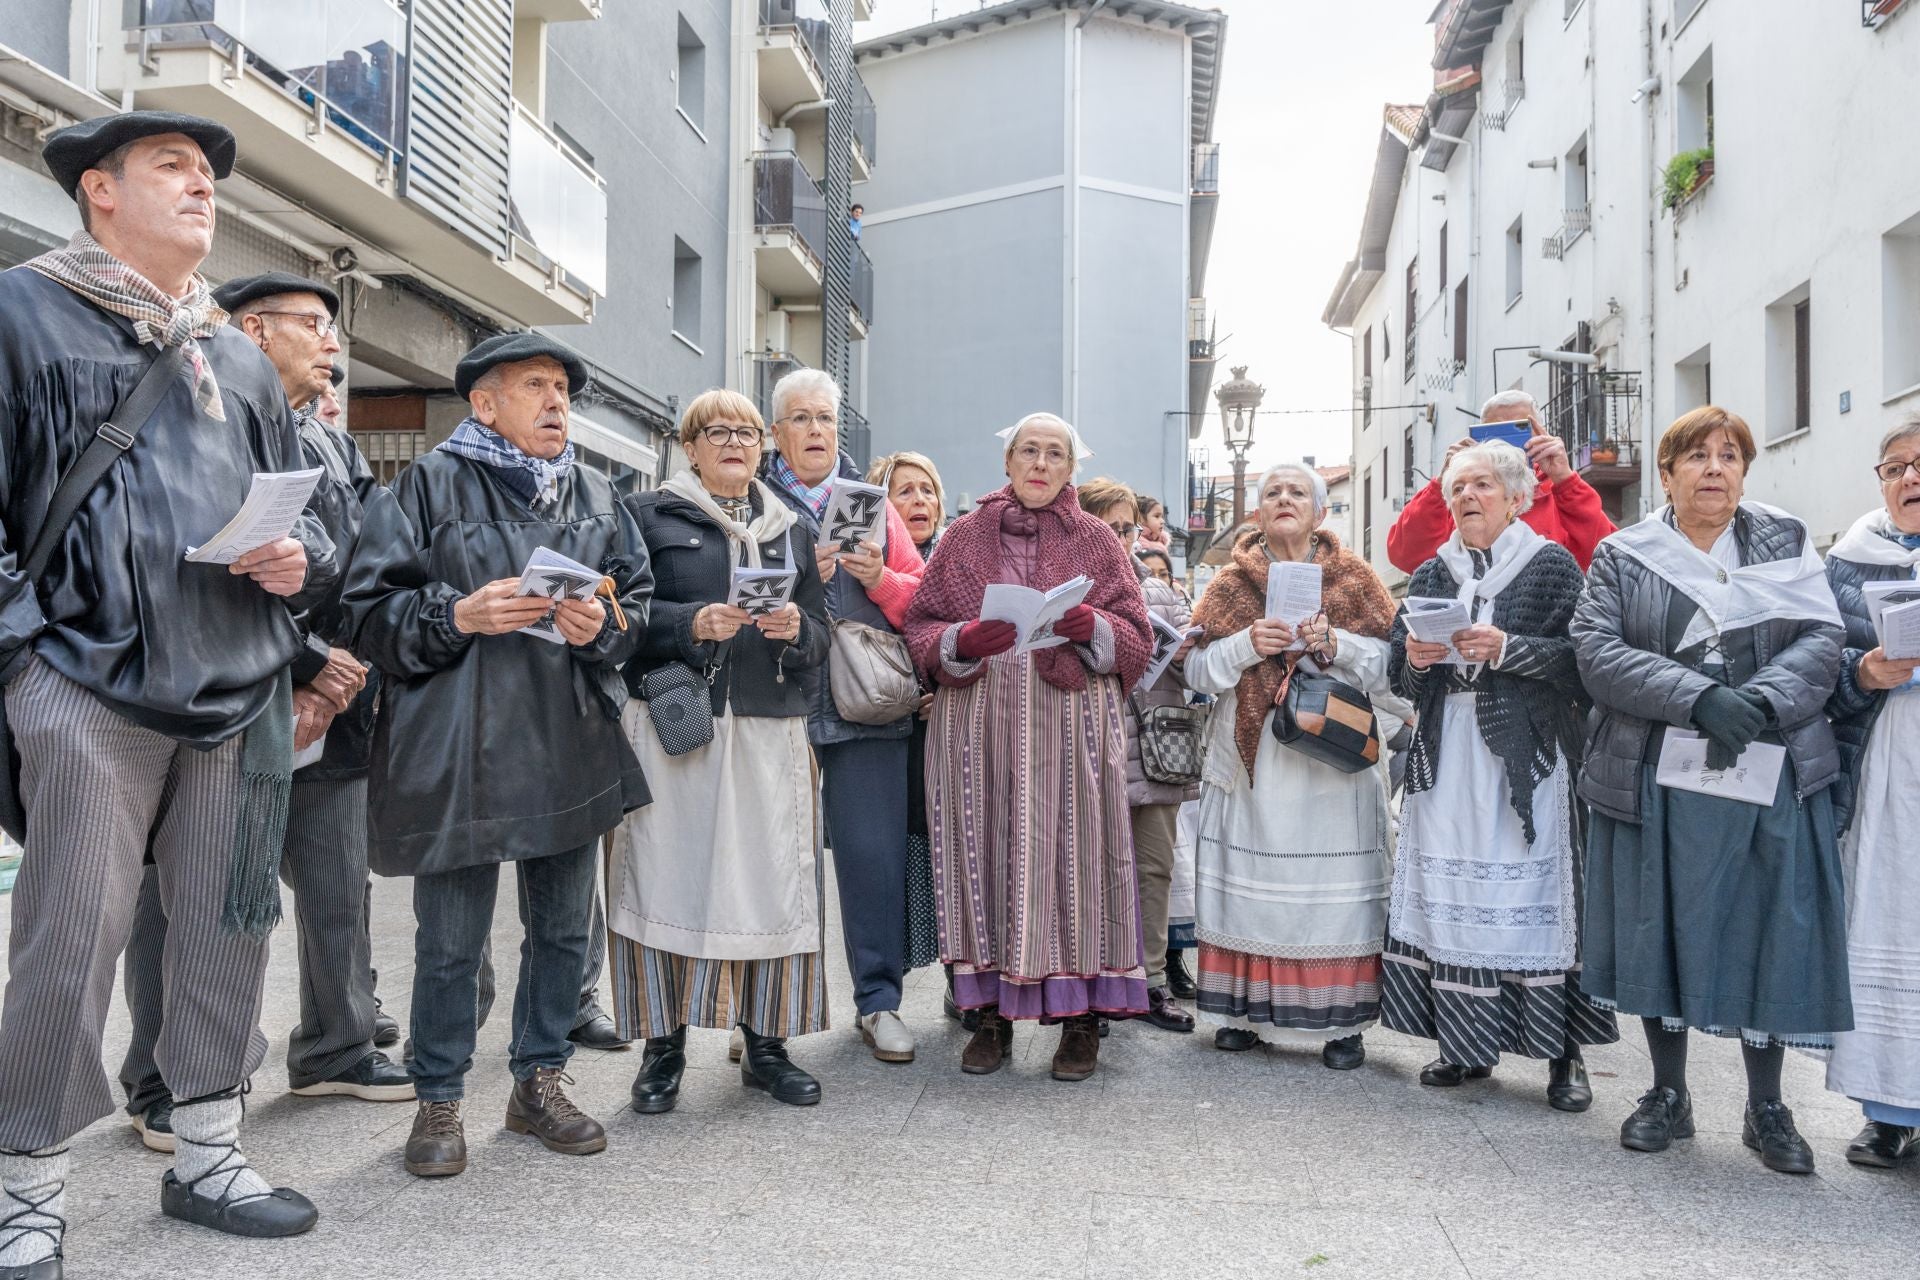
(1124, 530)
(322, 326)
(1029, 454)
(723, 434)
(808, 421)
(1890, 472)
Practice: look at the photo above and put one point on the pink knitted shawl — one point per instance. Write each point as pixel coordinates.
(1068, 541)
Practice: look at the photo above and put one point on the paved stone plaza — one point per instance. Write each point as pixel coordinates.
(1174, 1160)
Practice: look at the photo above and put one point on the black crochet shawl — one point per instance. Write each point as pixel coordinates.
(1529, 707)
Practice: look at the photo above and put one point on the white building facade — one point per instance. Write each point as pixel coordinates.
(1527, 207)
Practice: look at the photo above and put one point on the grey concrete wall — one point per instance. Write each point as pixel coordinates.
(967, 228)
(611, 87)
(39, 29)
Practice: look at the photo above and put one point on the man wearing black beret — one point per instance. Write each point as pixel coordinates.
(492, 744)
(331, 1051)
(146, 695)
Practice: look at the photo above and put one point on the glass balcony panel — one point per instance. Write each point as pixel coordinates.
(348, 54)
(865, 119)
(785, 198)
(559, 205)
(862, 283)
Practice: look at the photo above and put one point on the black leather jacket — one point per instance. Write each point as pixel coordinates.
(489, 748)
(187, 650)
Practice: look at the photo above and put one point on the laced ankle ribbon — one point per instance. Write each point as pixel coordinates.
(13, 1226)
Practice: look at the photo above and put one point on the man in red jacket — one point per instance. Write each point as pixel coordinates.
(1566, 509)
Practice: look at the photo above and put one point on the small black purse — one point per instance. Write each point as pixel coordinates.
(1328, 720)
(680, 705)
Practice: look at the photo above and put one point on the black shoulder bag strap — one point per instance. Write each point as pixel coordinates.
(111, 439)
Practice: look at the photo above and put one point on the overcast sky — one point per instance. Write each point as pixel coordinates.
(1298, 123)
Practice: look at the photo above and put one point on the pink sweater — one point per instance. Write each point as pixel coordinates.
(900, 577)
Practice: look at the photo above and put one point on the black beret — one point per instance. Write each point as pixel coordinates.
(235, 294)
(339, 374)
(511, 348)
(77, 148)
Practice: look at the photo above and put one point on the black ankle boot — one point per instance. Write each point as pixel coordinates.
(1179, 981)
(765, 1065)
(657, 1087)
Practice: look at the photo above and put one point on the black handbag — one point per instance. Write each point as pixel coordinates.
(1327, 720)
(679, 702)
(110, 439)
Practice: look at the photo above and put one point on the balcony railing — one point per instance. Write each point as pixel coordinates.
(768, 368)
(862, 284)
(346, 59)
(865, 120)
(1199, 333)
(559, 204)
(1206, 169)
(856, 437)
(1596, 414)
(785, 198)
(809, 17)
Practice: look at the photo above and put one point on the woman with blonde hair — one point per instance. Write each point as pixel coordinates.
(714, 893)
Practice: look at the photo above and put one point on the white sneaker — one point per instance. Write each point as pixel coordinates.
(737, 1047)
(887, 1035)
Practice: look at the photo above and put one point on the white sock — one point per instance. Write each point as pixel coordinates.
(208, 1148)
(33, 1191)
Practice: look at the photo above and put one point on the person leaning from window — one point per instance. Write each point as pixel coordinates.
(1876, 717)
(1152, 807)
(913, 487)
(714, 892)
(1713, 614)
(1291, 864)
(491, 747)
(863, 767)
(1566, 509)
(1033, 853)
(1483, 929)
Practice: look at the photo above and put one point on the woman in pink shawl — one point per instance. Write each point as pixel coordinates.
(1027, 762)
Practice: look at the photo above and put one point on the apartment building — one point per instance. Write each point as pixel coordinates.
(453, 168)
(1630, 210)
(1041, 232)
(800, 285)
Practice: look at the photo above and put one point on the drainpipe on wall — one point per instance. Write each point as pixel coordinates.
(1649, 479)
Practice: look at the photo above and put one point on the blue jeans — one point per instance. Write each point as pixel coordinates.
(864, 787)
(454, 911)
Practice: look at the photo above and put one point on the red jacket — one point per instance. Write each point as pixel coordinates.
(1568, 513)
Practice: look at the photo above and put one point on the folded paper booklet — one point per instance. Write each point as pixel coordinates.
(1033, 613)
(761, 591)
(313, 751)
(1167, 640)
(1750, 779)
(1895, 609)
(855, 513)
(1293, 594)
(1434, 620)
(550, 574)
(274, 501)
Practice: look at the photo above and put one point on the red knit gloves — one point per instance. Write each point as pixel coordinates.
(983, 639)
(1076, 624)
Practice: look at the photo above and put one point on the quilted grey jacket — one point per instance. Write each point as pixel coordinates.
(1620, 637)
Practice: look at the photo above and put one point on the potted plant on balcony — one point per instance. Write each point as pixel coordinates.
(1606, 453)
(1685, 174)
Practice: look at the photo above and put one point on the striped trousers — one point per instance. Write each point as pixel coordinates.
(97, 788)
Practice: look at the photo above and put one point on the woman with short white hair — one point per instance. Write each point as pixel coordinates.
(1483, 933)
(1291, 868)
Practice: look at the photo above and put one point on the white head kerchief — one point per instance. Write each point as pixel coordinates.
(1080, 451)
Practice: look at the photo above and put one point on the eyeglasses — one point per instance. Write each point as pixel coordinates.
(721, 434)
(1890, 472)
(1124, 530)
(322, 327)
(1028, 454)
(808, 421)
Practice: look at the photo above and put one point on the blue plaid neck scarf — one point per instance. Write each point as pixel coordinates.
(815, 496)
(535, 481)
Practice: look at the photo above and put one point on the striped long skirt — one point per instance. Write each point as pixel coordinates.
(1032, 845)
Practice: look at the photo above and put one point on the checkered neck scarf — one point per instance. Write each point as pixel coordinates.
(535, 481)
(110, 284)
(814, 495)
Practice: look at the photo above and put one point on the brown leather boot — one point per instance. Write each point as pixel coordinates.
(1079, 1051)
(538, 1107)
(991, 1046)
(437, 1147)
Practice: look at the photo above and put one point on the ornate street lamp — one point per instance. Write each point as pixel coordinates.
(1239, 399)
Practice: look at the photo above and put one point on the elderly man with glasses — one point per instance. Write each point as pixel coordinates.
(863, 767)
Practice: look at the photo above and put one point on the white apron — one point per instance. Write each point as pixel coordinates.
(721, 865)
